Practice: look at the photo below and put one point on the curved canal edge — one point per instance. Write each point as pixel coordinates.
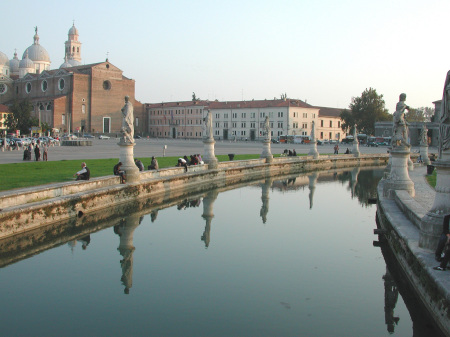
(399, 218)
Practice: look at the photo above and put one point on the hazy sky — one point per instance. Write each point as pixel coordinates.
(321, 51)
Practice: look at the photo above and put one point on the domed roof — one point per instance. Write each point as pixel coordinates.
(74, 63)
(36, 52)
(14, 63)
(73, 30)
(4, 59)
(66, 64)
(26, 62)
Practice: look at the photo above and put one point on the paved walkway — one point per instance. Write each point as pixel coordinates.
(424, 193)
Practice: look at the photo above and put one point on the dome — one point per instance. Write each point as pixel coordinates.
(66, 64)
(36, 52)
(73, 30)
(74, 63)
(4, 61)
(26, 62)
(14, 64)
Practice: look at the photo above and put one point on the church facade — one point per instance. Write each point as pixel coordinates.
(73, 98)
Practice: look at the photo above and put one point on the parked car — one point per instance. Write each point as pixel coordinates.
(103, 137)
(68, 137)
(372, 144)
(275, 141)
(326, 141)
(319, 142)
(88, 136)
(18, 141)
(137, 137)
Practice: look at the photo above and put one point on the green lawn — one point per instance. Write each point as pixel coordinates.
(33, 173)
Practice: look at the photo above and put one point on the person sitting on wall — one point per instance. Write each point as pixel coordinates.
(154, 164)
(84, 173)
(139, 164)
(294, 153)
(119, 172)
(182, 162)
(347, 151)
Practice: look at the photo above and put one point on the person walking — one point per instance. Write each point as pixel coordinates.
(37, 153)
(45, 153)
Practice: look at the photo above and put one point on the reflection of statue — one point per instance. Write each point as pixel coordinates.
(208, 125)
(390, 301)
(127, 123)
(400, 136)
(267, 128)
(424, 136)
(444, 118)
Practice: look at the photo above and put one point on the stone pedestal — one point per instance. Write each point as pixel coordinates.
(424, 154)
(432, 222)
(266, 153)
(398, 178)
(410, 164)
(313, 152)
(209, 157)
(126, 156)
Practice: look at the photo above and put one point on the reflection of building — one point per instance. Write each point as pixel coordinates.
(75, 97)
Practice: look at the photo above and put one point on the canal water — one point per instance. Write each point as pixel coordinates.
(290, 256)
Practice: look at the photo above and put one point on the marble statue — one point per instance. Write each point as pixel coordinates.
(400, 133)
(444, 118)
(313, 131)
(208, 125)
(267, 128)
(127, 122)
(424, 136)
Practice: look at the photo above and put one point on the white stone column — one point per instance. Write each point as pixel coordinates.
(266, 153)
(398, 178)
(355, 148)
(126, 156)
(209, 157)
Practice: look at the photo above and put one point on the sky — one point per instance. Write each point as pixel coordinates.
(323, 52)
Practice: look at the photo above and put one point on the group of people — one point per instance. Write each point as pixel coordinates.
(36, 148)
(195, 159)
(290, 153)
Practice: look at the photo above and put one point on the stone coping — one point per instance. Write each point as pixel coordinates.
(404, 214)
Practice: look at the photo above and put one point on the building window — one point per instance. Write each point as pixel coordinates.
(44, 85)
(234, 115)
(242, 133)
(217, 125)
(305, 125)
(331, 135)
(331, 124)
(243, 125)
(262, 114)
(217, 133)
(280, 114)
(217, 116)
(321, 123)
(244, 115)
(28, 87)
(61, 84)
(234, 124)
(321, 135)
(253, 125)
(63, 119)
(49, 107)
(107, 85)
(3, 88)
(106, 124)
(253, 115)
(280, 125)
(225, 115)
(339, 124)
(305, 115)
(83, 108)
(136, 122)
(225, 125)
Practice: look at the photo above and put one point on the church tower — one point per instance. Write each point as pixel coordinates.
(73, 47)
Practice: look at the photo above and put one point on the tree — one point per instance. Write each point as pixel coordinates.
(20, 117)
(364, 111)
(194, 98)
(422, 114)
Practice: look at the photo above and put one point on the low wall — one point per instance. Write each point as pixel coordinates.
(400, 217)
(79, 142)
(27, 209)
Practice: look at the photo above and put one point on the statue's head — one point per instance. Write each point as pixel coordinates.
(402, 97)
(127, 98)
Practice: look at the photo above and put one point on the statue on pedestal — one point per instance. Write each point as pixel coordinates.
(127, 123)
(267, 135)
(444, 118)
(400, 132)
(424, 136)
(313, 131)
(208, 126)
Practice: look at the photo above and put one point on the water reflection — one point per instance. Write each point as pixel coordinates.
(277, 266)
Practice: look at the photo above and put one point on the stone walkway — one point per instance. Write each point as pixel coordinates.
(424, 193)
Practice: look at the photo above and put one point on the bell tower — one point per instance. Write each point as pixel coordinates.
(73, 46)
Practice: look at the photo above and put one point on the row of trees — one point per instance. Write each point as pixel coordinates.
(369, 108)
